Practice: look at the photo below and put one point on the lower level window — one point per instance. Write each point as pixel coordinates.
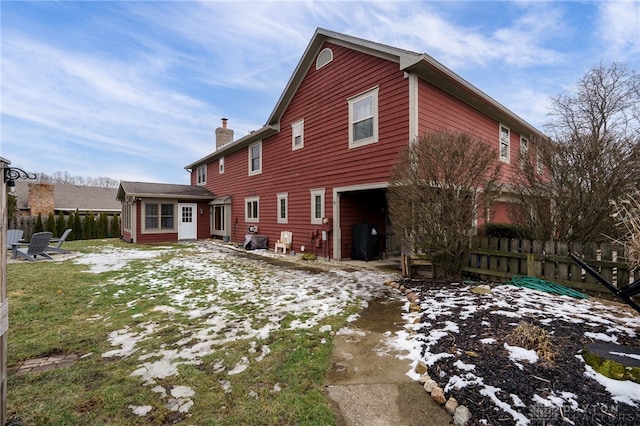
(158, 216)
(252, 209)
(317, 206)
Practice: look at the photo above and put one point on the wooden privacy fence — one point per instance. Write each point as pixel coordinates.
(501, 258)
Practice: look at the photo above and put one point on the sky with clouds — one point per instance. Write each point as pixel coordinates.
(134, 90)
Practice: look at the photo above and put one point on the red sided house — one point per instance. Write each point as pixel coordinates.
(321, 164)
(158, 212)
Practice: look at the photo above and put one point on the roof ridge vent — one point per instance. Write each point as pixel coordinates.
(324, 57)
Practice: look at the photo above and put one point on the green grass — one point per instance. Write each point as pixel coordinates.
(59, 308)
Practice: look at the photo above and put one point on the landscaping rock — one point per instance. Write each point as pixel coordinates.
(429, 385)
(481, 289)
(438, 395)
(421, 367)
(461, 416)
(451, 405)
(423, 379)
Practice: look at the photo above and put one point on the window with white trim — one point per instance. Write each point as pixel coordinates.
(252, 209)
(221, 165)
(363, 118)
(297, 135)
(505, 143)
(255, 158)
(126, 213)
(201, 175)
(317, 205)
(159, 216)
(283, 207)
(524, 150)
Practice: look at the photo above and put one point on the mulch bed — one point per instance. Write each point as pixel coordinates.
(565, 373)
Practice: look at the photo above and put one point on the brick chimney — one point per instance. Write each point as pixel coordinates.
(41, 199)
(223, 135)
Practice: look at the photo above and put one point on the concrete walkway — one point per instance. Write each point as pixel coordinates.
(367, 383)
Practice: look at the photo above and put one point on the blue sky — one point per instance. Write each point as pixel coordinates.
(135, 90)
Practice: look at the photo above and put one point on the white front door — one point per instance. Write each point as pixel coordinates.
(187, 221)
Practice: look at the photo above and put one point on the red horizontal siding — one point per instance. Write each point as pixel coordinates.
(325, 161)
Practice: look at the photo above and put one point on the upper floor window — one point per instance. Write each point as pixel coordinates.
(297, 135)
(252, 209)
(255, 158)
(505, 143)
(317, 206)
(283, 201)
(221, 165)
(201, 173)
(363, 119)
(524, 150)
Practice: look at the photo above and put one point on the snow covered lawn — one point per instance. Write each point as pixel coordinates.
(209, 297)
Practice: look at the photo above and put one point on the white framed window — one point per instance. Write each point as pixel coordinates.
(505, 143)
(252, 209)
(221, 165)
(317, 205)
(297, 135)
(283, 207)
(524, 150)
(363, 118)
(126, 215)
(159, 217)
(201, 173)
(255, 158)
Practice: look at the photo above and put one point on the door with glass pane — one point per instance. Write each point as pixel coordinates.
(187, 222)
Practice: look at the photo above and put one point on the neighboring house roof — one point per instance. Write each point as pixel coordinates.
(421, 64)
(163, 190)
(73, 197)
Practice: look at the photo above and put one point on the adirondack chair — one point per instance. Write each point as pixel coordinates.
(37, 247)
(284, 242)
(57, 242)
(13, 237)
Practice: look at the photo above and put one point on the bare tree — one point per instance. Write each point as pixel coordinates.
(593, 157)
(68, 179)
(438, 184)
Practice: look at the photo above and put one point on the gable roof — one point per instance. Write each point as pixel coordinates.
(73, 197)
(163, 190)
(421, 64)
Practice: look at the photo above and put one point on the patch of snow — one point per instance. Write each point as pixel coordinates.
(488, 341)
(516, 353)
(624, 354)
(463, 366)
(242, 365)
(491, 392)
(601, 336)
(140, 410)
(624, 391)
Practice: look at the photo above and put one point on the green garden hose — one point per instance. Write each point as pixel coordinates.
(546, 286)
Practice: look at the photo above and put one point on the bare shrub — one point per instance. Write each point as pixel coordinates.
(627, 214)
(438, 184)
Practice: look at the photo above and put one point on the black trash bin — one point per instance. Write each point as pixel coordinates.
(364, 244)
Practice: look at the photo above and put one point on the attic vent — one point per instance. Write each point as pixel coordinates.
(324, 57)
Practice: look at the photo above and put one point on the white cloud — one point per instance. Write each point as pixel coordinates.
(619, 27)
